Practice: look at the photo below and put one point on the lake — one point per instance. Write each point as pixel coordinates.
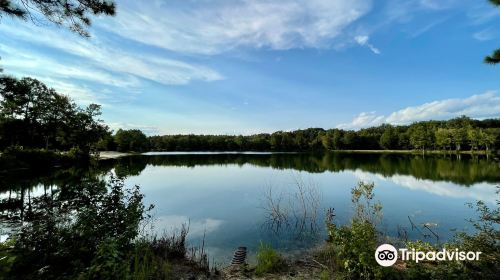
(242, 199)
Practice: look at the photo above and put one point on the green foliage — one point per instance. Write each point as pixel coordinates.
(325, 275)
(108, 262)
(444, 138)
(484, 240)
(94, 229)
(268, 260)
(35, 116)
(421, 138)
(147, 262)
(72, 14)
(351, 248)
(428, 135)
(389, 139)
(7, 259)
(15, 157)
(494, 58)
(131, 140)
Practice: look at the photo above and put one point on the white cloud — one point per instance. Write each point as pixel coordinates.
(211, 27)
(362, 40)
(105, 62)
(24, 63)
(437, 4)
(197, 227)
(482, 13)
(479, 191)
(365, 119)
(480, 106)
(484, 35)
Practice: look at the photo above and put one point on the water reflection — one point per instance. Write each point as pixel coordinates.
(227, 196)
(292, 211)
(465, 171)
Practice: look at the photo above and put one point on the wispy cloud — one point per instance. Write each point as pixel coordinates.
(485, 35)
(363, 41)
(438, 4)
(478, 191)
(107, 62)
(480, 106)
(427, 27)
(211, 27)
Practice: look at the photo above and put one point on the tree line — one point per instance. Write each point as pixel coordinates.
(34, 116)
(458, 134)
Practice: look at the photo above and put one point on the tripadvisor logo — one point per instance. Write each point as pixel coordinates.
(387, 255)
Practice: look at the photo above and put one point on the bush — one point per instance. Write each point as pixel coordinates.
(7, 259)
(17, 157)
(92, 233)
(325, 275)
(268, 260)
(351, 248)
(485, 240)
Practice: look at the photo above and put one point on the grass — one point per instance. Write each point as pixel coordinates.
(268, 260)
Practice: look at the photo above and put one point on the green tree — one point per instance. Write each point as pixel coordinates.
(327, 141)
(444, 138)
(73, 14)
(473, 138)
(486, 139)
(36, 116)
(459, 137)
(349, 140)
(389, 139)
(494, 58)
(420, 137)
(131, 140)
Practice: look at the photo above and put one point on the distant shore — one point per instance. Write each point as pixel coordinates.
(113, 154)
(441, 152)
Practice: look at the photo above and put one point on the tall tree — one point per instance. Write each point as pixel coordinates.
(389, 139)
(459, 138)
(444, 138)
(72, 14)
(132, 140)
(35, 116)
(494, 58)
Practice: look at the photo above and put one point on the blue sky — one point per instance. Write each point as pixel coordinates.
(242, 67)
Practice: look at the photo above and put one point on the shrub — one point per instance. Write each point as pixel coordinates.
(17, 157)
(485, 240)
(268, 260)
(325, 275)
(351, 248)
(91, 233)
(7, 259)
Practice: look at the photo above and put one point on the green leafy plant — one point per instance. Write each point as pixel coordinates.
(351, 248)
(268, 260)
(7, 259)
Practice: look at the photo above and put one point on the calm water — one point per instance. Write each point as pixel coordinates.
(226, 197)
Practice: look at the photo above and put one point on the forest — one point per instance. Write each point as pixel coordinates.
(455, 135)
(34, 116)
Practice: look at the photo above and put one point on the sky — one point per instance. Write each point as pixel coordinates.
(251, 66)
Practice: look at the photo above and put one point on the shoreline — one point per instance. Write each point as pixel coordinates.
(416, 152)
(115, 154)
(103, 155)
